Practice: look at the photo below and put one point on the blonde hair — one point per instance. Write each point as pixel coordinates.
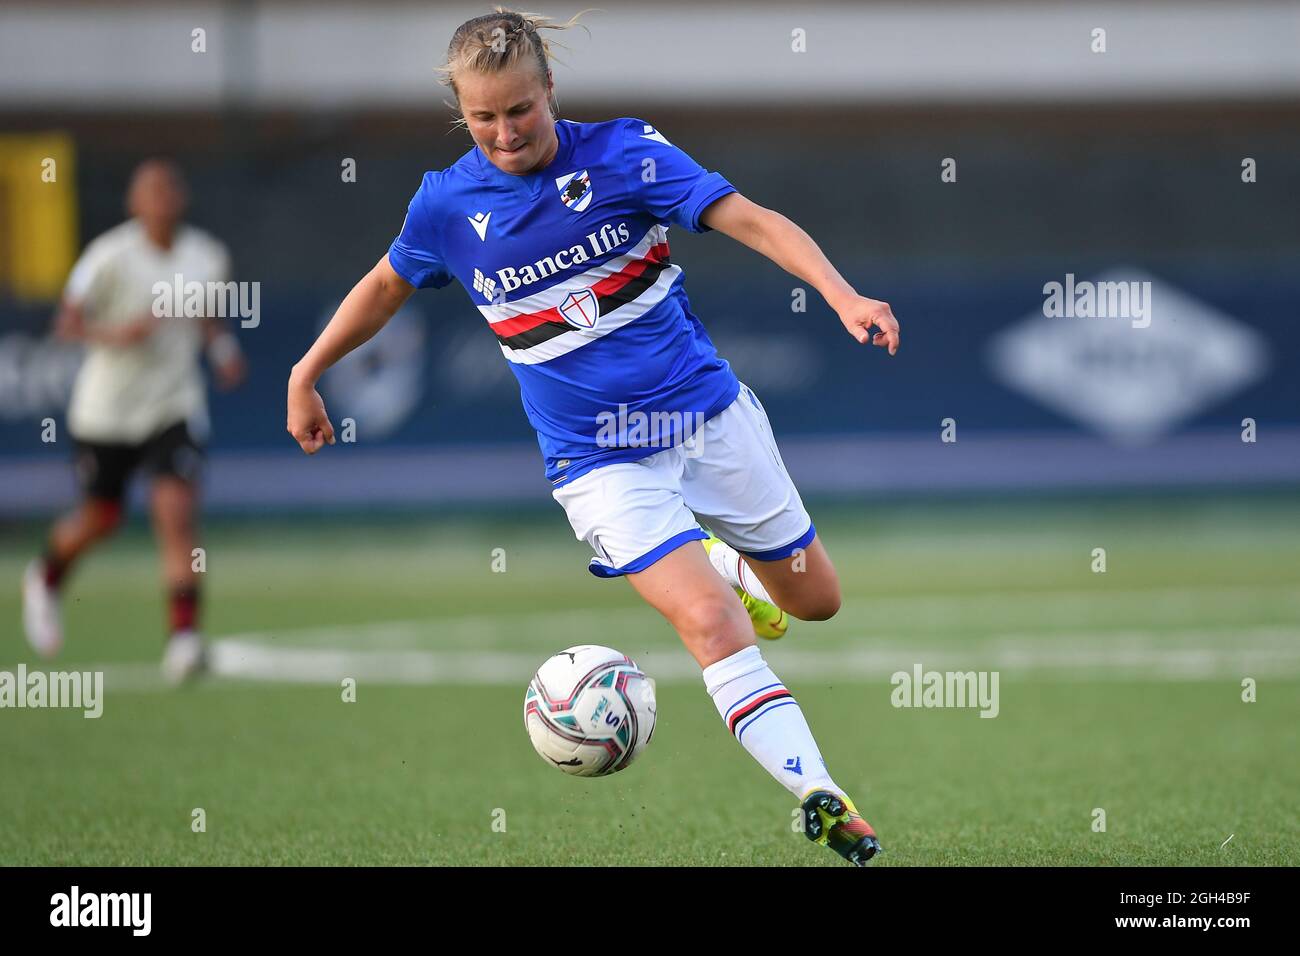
(496, 42)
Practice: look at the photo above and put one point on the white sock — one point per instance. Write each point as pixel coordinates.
(762, 715)
(728, 562)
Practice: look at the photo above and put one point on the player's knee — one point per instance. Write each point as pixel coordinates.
(712, 622)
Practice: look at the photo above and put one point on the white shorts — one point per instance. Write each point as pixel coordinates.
(729, 476)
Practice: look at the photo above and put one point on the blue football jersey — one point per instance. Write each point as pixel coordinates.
(570, 268)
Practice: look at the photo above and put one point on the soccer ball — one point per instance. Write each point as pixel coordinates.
(589, 710)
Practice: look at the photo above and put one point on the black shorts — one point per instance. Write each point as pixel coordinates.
(104, 470)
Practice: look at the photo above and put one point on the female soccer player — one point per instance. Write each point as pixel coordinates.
(557, 230)
(139, 403)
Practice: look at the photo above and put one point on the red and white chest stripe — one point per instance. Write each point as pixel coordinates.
(533, 329)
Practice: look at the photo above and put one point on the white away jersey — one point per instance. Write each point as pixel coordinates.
(125, 395)
(569, 266)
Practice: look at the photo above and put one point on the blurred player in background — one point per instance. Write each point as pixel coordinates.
(138, 403)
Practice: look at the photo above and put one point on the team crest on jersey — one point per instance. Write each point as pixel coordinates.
(580, 309)
(575, 190)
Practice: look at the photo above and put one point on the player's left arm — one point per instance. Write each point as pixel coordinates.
(224, 354)
(772, 234)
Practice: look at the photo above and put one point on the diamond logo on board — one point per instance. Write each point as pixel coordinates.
(1131, 384)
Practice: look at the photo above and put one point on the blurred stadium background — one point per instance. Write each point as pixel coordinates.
(1121, 690)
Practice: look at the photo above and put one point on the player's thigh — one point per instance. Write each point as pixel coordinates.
(174, 453)
(683, 587)
(635, 520)
(103, 472)
(737, 484)
(629, 513)
(174, 460)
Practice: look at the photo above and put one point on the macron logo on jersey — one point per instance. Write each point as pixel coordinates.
(480, 222)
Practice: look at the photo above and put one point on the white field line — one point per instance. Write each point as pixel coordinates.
(1204, 654)
(1144, 607)
(400, 651)
(919, 612)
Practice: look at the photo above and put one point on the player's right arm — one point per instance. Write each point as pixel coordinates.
(368, 307)
(70, 324)
(87, 294)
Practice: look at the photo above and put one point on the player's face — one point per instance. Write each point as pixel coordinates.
(509, 117)
(157, 195)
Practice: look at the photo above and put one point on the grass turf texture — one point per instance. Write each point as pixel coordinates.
(288, 773)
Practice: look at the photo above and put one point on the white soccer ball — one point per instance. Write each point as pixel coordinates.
(589, 710)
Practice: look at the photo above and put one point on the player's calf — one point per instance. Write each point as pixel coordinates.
(762, 714)
(814, 607)
(769, 620)
(805, 584)
(94, 520)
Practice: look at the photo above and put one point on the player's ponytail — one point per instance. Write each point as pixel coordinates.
(497, 41)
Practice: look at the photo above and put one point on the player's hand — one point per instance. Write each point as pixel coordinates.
(308, 423)
(861, 314)
(70, 323)
(133, 332)
(231, 373)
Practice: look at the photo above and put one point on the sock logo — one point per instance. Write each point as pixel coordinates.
(792, 764)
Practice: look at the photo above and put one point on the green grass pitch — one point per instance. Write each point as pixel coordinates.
(1119, 691)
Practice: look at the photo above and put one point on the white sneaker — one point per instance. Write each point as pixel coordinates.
(184, 658)
(42, 617)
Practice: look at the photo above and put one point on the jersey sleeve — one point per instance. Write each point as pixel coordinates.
(667, 182)
(416, 253)
(90, 277)
(221, 263)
